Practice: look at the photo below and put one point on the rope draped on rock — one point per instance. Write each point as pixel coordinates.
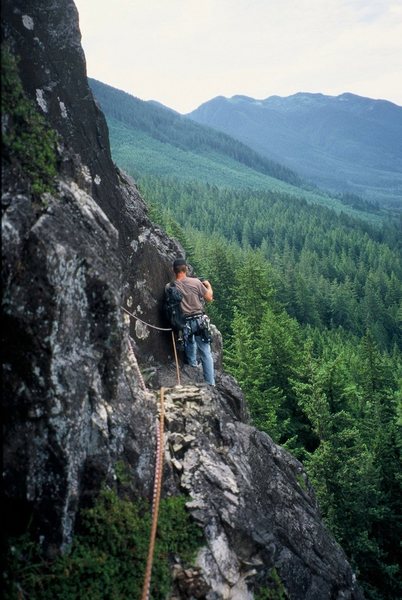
(145, 323)
(136, 366)
(159, 329)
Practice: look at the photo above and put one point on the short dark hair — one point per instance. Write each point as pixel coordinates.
(180, 264)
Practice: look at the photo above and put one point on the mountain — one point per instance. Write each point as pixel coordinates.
(345, 143)
(150, 139)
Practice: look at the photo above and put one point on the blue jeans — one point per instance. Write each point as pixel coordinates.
(194, 342)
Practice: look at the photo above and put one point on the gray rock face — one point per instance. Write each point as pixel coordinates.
(74, 401)
(253, 501)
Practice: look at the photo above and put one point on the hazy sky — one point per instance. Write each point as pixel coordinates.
(185, 52)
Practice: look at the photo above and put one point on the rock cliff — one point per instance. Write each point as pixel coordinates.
(74, 399)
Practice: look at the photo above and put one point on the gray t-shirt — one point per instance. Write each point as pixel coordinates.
(193, 295)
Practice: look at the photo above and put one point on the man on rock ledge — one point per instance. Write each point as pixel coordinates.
(196, 332)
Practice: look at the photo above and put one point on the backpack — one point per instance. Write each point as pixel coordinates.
(172, 307)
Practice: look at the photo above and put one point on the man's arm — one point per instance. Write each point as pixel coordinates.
(208, 294)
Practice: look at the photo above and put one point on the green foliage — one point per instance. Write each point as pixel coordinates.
(108, 558)
(263, 355)
(348, 394)
(28, 143)
(273, 589)
(123, 476)
(139, 153)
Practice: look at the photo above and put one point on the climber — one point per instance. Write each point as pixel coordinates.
(197, 333)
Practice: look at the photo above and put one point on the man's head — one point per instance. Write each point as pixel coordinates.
(180, 265)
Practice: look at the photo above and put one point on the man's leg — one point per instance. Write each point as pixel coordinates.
(191, 351)
(204, 348)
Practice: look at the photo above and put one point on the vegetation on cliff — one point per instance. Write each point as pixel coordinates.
(108, 556)
(29, 145)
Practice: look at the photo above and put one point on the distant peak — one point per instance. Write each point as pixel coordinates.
(242, 98)
(296, 101)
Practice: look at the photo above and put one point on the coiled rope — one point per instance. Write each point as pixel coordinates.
(160, 445)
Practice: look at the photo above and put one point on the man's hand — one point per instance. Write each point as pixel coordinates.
(209, 295)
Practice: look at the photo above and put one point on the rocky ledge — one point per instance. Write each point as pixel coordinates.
(253, 502)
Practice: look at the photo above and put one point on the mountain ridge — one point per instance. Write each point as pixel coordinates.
(346, 143)
(148, 139)
(344, 96)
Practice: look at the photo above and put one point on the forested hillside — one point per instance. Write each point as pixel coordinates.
(345, 143)
(329, 270)
(169, 127)
(309, 302)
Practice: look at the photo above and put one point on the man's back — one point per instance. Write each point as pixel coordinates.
(193, 295)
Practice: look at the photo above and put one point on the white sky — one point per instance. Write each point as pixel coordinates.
(185, 52)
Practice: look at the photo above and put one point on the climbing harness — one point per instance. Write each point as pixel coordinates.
(198, 324)
(160, 445)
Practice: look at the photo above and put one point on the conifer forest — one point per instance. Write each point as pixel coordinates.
(309, 303)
